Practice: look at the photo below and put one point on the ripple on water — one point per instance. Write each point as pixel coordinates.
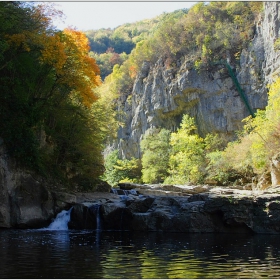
(88, 254)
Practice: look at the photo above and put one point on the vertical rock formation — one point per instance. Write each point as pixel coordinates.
(162, 94)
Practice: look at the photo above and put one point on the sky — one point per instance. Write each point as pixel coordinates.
(84, 15)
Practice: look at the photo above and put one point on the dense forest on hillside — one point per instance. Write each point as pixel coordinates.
(51, 117)
(112, 46)
(61, 90)
(207, 33)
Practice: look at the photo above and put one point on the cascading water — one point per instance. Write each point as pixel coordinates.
(97, 213)
(134, 192)
(114, 191)
(96, 209)
(61, 221)
(124, 194)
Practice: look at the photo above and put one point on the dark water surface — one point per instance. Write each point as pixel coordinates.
(122, 254)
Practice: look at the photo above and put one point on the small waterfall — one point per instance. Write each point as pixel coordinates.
(124, 193)
(98, 224)
(61, 221)
(134, 192)
(114, 191)
(96, 211)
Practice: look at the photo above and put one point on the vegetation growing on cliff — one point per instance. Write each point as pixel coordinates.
(49, 110)
(118, 170)
(155, 158)
(180, 157)
(183, 157)
(193, 159)
(55, 113)
(207, 32)
(257, 143)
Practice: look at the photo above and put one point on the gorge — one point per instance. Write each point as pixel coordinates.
(161, 95)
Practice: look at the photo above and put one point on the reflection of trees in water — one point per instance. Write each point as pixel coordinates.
(164, 255)
(124, 254)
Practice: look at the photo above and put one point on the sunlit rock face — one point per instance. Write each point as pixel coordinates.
(162, 94)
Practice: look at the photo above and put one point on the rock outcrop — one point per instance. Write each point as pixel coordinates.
(162, 94)
(215, 210)
(26, 200)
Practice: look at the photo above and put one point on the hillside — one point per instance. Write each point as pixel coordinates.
(213, 64)
(190, 98)
(112, 46)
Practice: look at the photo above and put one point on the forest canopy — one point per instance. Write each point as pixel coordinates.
(49, 102)
(62, 93)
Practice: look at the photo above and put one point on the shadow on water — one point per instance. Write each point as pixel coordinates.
(56, 252)
(125, 254)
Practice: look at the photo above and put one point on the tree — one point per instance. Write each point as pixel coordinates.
(48, 87)
(117, 170)
(155, 148)
(187, 160)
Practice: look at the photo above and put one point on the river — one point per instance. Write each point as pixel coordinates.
(124, 254)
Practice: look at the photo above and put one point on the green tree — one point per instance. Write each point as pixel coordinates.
(155, 148)
(118, 170)
(187, 161)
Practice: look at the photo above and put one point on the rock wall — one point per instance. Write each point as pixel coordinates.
(26, 200)
(162, 94)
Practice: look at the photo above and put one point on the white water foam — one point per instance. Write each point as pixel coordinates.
(61, 221)
(114, 191)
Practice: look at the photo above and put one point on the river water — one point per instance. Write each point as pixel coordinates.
(122, 254)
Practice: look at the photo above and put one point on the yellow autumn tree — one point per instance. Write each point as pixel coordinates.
(49, 116)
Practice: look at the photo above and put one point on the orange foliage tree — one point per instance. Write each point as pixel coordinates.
(48, 87)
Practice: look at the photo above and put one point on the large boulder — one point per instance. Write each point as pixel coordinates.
(25, 200)
(275, 170)
(32, 204)
(84, 216)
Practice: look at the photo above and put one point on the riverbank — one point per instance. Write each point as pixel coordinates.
(32, 203)
(194, 209)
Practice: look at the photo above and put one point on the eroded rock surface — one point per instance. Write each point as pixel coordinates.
(217, 210)
(161, 95)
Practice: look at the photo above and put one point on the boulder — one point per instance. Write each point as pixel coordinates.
(103, 186)
(64, 200)
(275, 170)
(31, 204)
(84, 216)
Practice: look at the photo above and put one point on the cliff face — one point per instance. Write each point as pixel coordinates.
(162, 94)
(26, 199)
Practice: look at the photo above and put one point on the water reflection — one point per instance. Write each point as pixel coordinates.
(123, 254)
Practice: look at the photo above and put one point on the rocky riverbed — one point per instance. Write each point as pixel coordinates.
(178, 209)
(28, 202)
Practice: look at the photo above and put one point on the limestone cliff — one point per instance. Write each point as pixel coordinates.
(162, 94)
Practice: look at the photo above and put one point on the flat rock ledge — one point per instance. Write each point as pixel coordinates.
(166, 208)
(178, 209)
